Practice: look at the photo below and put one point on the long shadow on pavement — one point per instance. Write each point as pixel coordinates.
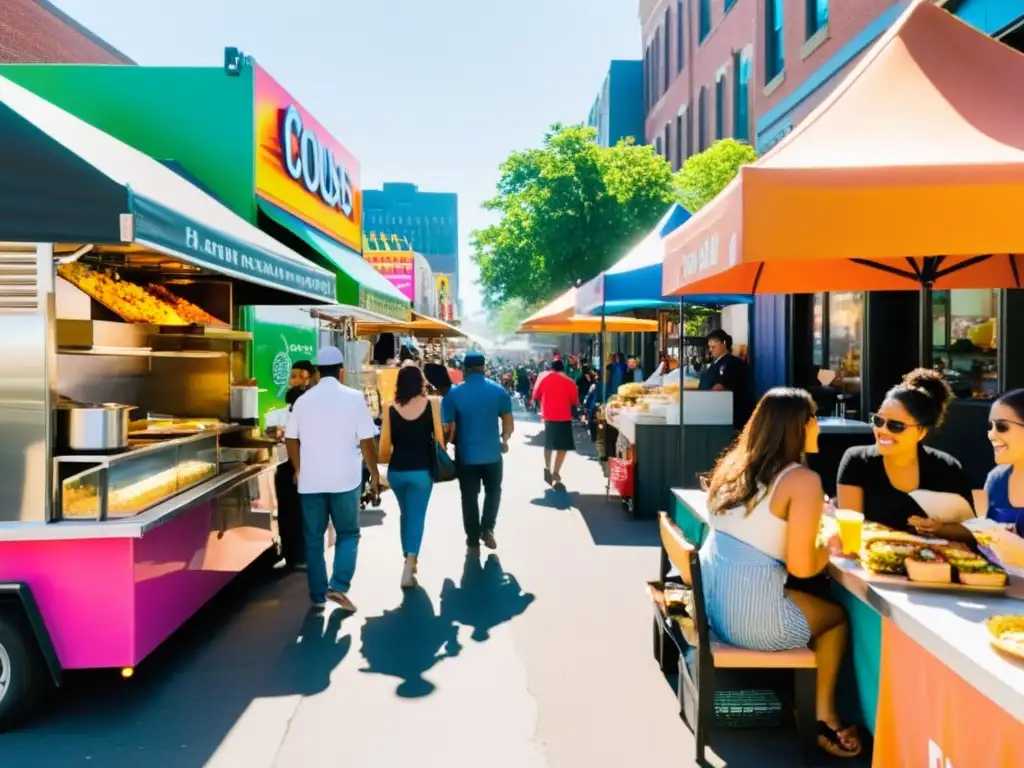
(256, 640)
(486, 597)
(407, 642)
(610, 525)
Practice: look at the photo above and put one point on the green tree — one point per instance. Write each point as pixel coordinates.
(505, 319)
(566, 211)
(707, 173)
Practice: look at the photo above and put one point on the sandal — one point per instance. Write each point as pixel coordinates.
(842, 743)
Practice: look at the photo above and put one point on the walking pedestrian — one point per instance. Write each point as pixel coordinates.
(472, 412)
(329, 435)
(410, 427)
(558, 396)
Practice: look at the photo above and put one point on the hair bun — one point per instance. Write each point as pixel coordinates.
(934, 385)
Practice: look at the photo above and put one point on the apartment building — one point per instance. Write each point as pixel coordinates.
(37, 31)
(699, 73)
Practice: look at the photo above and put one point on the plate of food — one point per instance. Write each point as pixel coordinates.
(930, 566)
(1007, 632)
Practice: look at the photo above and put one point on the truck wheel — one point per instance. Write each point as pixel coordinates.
(23, 678)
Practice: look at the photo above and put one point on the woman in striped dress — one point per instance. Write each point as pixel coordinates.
(765, 509)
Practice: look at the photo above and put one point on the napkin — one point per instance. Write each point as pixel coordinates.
(944, 507)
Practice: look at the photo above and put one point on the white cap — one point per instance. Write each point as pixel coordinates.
(329, 356)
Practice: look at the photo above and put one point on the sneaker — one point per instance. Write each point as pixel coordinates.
(341, 599)
(409, 572)
(488, 539)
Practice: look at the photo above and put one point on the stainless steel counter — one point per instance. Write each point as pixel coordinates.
(135, 527)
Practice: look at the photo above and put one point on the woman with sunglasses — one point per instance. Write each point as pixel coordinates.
(880, 480)
(1003, 497)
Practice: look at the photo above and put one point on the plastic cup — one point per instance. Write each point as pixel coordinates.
(851, 526)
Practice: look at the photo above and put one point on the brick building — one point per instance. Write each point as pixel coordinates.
(37, 31)
(698, 73)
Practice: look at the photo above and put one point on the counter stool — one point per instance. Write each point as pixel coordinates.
(696, 689)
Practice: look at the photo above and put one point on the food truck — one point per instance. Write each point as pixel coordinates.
(133, 483)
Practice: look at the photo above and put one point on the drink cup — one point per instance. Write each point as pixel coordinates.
(851, 525)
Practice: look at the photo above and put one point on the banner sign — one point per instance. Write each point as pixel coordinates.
(161, 227)
(445, 300)
(301, 168)
(397, 267)
(931, 717)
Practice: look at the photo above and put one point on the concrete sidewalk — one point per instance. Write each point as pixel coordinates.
(535, 656)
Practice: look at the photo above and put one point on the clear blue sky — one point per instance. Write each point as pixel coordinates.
(434, 92)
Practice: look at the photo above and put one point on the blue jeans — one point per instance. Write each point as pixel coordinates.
(343, 511)
(412, 489)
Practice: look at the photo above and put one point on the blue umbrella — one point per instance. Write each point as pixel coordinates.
(634, 282)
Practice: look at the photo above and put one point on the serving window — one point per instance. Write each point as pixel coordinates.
(965, 341)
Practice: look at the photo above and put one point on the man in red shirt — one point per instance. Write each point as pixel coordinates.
(557, 394)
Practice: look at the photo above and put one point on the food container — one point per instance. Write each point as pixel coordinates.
(92, 426)
(245, 403)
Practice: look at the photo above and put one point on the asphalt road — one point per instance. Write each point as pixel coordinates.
(536, 656)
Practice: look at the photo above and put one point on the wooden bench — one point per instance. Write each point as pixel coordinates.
(696, 691)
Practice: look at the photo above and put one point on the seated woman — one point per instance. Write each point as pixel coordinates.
(897, 481)
(765, 510)
(1003, 497)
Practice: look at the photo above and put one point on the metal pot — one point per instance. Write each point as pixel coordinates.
(92, 426)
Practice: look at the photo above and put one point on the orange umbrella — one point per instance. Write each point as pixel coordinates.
(590, 324)
(910, 175)
(561, 308)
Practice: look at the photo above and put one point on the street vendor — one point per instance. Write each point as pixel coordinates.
(727, 373)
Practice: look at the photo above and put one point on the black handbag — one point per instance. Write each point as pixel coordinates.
(442, 466)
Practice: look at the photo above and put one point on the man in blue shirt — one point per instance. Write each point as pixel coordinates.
(472, 411)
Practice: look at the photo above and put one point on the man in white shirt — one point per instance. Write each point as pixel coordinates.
(329, 435)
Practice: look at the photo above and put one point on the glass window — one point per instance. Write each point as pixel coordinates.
(657, 145)
(702, 119)
(668, 47)
(680, 157)
(704, 22)
(845, 344)
(818, 331)
(774, 60)
(720, 107)
(647, 78)
(680, 39)
(965, 342)
(668, 142)
(656, 59)
(741, 97)
(817, 16)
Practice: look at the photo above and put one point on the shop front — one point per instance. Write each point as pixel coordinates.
(254, 148)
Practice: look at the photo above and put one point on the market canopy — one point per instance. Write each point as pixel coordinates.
(910, 175)
(64, 181)
(358, 282)
(559, 317)
(561, 308)
(635, 281)
(420, 325)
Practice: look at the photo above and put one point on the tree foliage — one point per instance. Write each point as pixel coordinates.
(707, 173)
(568, 210)
(505, 319)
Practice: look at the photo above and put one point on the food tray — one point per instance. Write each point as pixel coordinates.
(889, 580)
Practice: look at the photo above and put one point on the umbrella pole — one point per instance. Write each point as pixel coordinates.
(682, 386)
(924, 335)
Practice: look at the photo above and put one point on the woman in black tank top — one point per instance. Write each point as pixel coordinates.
(409, 430)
